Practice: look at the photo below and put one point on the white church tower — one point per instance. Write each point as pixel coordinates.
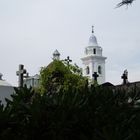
(93, 61)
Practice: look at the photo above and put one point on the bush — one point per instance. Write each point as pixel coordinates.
(90, 114)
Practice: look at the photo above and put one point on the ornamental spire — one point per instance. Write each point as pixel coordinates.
(92, 29)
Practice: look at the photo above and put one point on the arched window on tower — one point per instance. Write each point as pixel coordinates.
(99, 69)
(87, 70)
(94, 51)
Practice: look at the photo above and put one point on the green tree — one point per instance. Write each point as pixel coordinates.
(58, 75)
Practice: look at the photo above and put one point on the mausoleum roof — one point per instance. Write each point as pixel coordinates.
(5, 83)
(33, 77)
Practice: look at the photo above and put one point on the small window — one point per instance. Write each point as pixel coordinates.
(99, 70)
(87, 70)
(94, 51)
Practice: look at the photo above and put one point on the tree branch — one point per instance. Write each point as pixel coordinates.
(124, 2)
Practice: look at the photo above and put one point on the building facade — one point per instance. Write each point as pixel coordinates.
(32, 81)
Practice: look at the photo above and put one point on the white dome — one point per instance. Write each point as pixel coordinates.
(4, 83)
(92, 41)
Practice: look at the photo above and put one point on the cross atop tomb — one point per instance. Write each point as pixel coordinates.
(125, 77)
(68, 60)
(20, 73)
(26, 75)
(95, 76)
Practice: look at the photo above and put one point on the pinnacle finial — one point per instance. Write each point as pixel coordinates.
(92, 29)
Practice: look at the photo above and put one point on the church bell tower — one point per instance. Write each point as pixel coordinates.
(93, 61)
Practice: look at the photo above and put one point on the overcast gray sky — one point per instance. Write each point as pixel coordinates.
(30, 30)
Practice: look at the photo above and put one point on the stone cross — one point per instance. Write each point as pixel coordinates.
(26, 75)
(20, 73)
(95, 76)
(68, 60)
(125, 77)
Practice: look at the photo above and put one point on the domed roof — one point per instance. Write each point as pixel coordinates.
(3, 82)
(56, 52)
(56, 55)
(93, 40)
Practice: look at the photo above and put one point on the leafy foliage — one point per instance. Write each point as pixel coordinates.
(75, 69)
(69, 109)
(58, 75)
(93, 113)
